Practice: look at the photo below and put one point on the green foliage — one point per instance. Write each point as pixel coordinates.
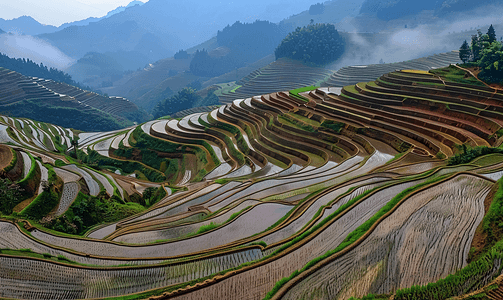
(88, 211)
(42, 205)
(454, 74)
(153, 195)
(491, 34)
(261, 243)
(183, 100)
(236, 214)
(470, 154)
(319, 44)
(96, 160)
(10, 193)
(59, 163)
(333, 125)
(30, 68)
(206, 228)
(296, 93)
(491, 63)
(464, 52)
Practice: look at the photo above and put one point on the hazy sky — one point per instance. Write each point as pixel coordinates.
(57, 12)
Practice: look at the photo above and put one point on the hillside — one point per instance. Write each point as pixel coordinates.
(282, 74)
(275, 194)
(354, 74)
(65, 105)
(236, 51)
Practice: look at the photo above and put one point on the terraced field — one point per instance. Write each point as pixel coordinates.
(307, 194)
(17, 91)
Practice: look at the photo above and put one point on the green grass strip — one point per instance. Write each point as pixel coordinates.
(295, 93)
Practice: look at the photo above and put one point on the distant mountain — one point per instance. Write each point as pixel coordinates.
(29, 26)
(92, 19)
(167, 25)
(123, 8)
(26, 25)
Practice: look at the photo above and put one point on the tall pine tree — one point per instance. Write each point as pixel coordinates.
(465, 52)
(492, 34)
(475, 48)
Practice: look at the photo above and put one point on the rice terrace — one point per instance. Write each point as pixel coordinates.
(300, 179)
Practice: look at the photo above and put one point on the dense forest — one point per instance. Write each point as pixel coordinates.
(247, 42)
(485, 52)
(29, 68)
(184, 99)
(319, 44)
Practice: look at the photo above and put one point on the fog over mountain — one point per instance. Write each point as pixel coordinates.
(38, 50)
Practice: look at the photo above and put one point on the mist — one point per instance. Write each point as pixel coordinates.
(442, 35)
(37, 50)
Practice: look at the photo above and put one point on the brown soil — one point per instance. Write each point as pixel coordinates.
(479, 241)
(5, 156)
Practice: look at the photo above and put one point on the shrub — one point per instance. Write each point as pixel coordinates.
(470, 154)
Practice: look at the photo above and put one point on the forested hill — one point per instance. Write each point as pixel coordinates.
(240, 44)
(28, 67)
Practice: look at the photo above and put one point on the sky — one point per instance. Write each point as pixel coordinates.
(57, 12)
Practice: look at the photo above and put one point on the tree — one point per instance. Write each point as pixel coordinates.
(491, 63)
(476, 48)
(10, 193)
(465, 52)
(491, 33)
(182, 54)
(183, 100)
(318, 44)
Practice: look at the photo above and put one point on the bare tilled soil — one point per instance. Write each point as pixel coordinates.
(5, 156)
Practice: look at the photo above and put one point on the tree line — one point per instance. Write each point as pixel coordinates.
(28, 67)
(485, 52)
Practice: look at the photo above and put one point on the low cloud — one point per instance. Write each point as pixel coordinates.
(37, 50)
(441, 35)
